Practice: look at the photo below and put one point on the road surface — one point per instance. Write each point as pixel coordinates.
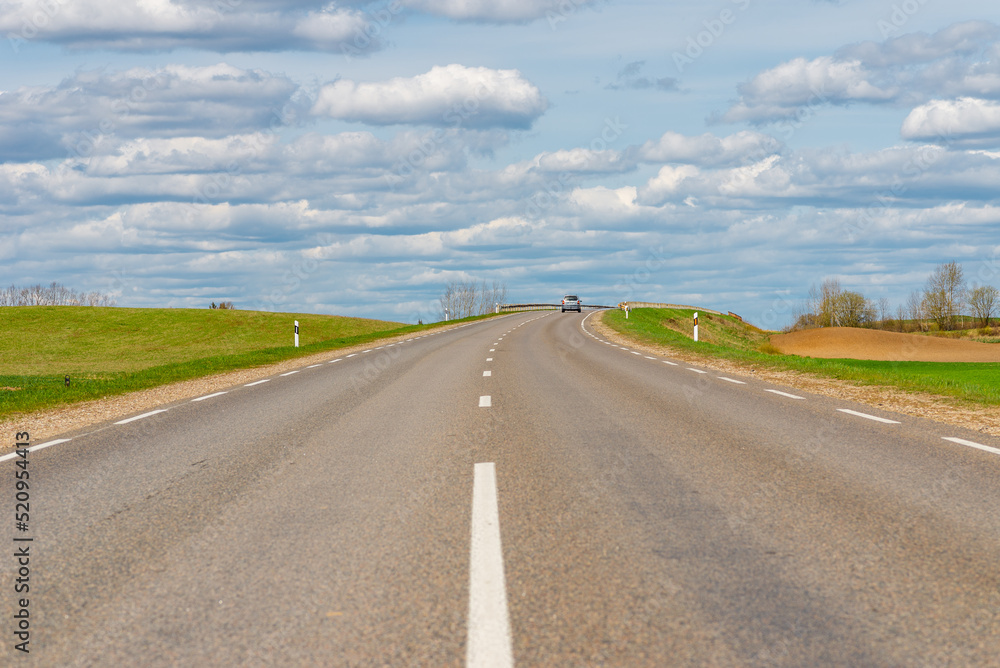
(515, 491)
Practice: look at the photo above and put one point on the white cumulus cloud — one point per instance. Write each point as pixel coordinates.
(967, 121)
(446, 96)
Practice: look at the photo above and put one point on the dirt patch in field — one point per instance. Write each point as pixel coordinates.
(984, 419)
(871, 344)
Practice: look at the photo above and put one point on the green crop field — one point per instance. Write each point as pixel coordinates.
(108, 351)
(727, 337)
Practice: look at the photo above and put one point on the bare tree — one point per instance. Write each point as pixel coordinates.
(983, 301)
(55, 294)
(884, 313)
(944, 294)
(915, 309)
(823, 302)
(462, 299)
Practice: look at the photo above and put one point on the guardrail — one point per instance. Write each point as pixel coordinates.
(504, 308)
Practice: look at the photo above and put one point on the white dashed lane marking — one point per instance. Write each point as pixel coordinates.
(259, 382)
(290, 373)
(972, 444)
(867, 416)
(487, 374)
(785, 394)
(139, 417)
(485, 401)
(209, 396)
(731, 380)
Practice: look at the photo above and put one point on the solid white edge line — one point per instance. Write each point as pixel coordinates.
(784, 394)
(209, 396)
(290, 373)
(489, 640)
(139, 417)
(731, 380)
(972, 444)
(867, 416)
(487, 373)
(485, 401)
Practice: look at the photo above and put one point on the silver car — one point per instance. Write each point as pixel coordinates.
(572, 303)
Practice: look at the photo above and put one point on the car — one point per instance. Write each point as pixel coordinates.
(572, 303)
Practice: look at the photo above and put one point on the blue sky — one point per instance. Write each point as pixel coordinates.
(354, 157)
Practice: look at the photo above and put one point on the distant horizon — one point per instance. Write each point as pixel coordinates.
(355, 157)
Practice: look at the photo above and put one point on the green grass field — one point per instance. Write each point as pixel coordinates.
(108, 351)
(727, 337)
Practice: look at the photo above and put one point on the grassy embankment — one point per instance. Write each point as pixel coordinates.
(728, 338)
(109, 351)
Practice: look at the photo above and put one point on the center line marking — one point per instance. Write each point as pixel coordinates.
(493, 350)
(489, 359)
(731, 380)
(971, 444)
(485, 401)
(866, 415)
(266, 380)
(489, 641)
(139, 417)
(784, 394)
(209, 396)
(487, 373)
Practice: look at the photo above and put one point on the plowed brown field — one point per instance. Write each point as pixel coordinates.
(870, 344)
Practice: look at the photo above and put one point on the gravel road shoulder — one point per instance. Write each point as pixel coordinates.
(984, 419)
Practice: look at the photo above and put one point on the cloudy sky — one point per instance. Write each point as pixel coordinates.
(354, 157)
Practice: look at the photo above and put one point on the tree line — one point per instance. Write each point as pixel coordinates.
(941, 304)
(55, 294)
(462, 299)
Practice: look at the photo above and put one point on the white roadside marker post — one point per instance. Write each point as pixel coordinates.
(296, 333)
(696, 326)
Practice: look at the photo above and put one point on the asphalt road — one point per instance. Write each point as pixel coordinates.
(637, 512)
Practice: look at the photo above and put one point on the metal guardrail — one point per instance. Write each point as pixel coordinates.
(505, 308)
